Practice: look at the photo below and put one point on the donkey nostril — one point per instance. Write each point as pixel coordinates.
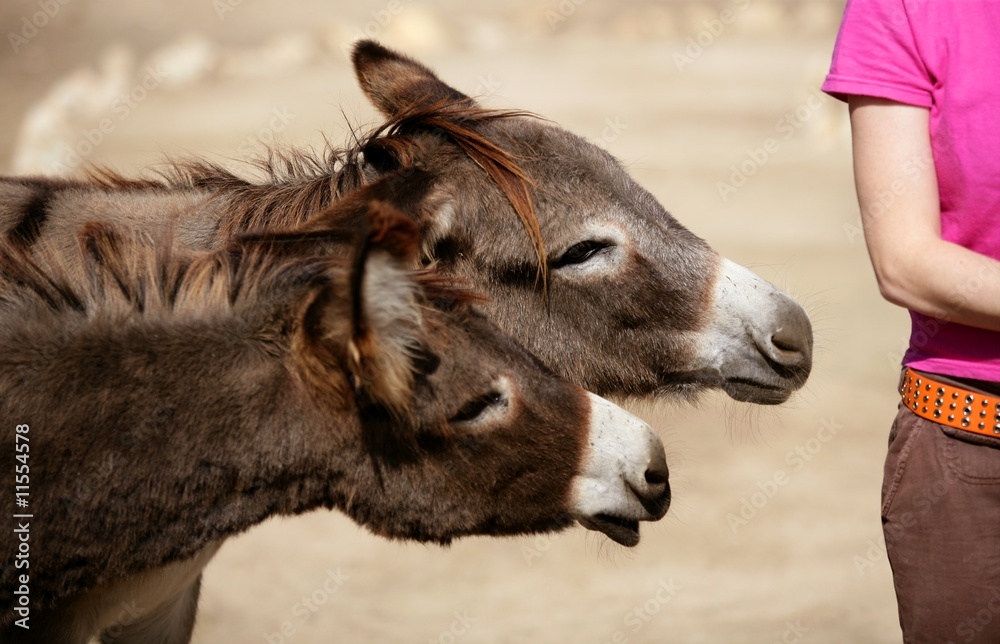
(791, 338)
(650, 485)
(783, 344)
(656, 473)
(791, 348)
(654, 494)
(656, 476)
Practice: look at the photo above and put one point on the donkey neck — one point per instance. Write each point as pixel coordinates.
(199, 416)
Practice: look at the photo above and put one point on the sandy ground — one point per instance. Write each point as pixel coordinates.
(803, 562)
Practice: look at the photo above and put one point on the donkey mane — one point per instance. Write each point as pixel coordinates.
(299, 182)
(125, 274)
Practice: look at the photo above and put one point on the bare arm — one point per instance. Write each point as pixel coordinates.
(898, 194)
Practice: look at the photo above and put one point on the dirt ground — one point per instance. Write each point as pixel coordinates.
(774, 535)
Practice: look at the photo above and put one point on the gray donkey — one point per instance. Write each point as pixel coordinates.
(167, 400)
(583, 266)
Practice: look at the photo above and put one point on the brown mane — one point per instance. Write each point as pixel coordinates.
(298, 183)
(126, 280)
(126, 276)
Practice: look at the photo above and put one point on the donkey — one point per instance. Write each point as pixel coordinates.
(582, 265)
(170, 400)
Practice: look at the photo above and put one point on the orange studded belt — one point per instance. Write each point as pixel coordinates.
(949, 405)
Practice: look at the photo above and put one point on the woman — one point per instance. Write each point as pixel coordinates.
(922, 80)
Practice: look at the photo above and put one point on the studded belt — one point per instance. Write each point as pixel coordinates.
(949, 405)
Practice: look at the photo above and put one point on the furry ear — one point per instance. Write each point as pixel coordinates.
(395, 83)
(386, 319)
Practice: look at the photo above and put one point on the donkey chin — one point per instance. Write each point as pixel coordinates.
(758, 344)
(624, 476)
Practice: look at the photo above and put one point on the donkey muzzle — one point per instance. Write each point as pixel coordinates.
(760, 341)
(624, 478)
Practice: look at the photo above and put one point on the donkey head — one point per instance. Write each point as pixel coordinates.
(581, 264)
(461, 430)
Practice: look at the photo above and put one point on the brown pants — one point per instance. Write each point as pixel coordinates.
(941, 520)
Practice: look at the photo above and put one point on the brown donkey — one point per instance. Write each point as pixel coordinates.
(172, 400)
(580, 263)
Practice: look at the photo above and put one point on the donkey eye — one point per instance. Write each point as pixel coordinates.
(580, 252)
(425, 361)
(475, 407)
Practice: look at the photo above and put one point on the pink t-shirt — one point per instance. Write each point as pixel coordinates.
(943, 55)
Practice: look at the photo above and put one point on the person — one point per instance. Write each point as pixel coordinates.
(922, 82)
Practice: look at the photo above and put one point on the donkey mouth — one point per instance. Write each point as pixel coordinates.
(754, 391)
(618, 529)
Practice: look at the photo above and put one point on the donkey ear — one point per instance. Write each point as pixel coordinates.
(396, 83)
(386, 320)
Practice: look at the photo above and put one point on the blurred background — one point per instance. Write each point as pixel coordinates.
(715, 107)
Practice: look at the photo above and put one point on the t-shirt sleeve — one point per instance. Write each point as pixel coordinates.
(878, 55)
